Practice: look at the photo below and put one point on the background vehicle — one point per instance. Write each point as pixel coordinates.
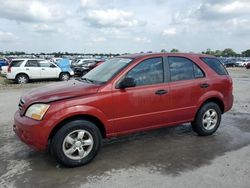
(248, 66)
(230, 63)
(242, 63)
(3, 62)
(23, 70)
(83, 67)
(124, 95)
(4, 70)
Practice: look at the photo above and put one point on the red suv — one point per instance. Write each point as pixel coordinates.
(124, 95)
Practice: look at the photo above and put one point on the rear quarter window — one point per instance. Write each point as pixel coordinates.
(16, 63)
(215, 64)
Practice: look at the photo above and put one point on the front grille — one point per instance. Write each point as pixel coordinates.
(21, 103)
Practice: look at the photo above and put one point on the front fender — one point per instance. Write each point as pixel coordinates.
(57, 116)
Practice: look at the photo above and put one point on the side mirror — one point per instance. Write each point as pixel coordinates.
(127, 82)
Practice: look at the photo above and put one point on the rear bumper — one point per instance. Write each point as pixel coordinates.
(229, 103)
(10, 76)
(31, 132)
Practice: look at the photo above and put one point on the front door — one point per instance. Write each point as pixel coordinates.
(145, 105)
(49, 70)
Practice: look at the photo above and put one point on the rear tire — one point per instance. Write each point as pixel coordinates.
(207, 119)
(64, 76)
(76, 143)
(22, 79)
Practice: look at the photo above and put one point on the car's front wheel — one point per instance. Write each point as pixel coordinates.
(207, 119)
(76, 143)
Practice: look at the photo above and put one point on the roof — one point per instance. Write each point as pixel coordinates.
(142, 55)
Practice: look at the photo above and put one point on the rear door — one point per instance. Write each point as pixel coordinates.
(187, 84)
(32, 68)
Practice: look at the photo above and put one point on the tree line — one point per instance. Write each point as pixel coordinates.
(228, 52)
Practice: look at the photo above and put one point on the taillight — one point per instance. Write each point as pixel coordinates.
(9, 69)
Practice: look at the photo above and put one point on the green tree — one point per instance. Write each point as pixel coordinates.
(174, 50)
(228, 52)
(246, 53)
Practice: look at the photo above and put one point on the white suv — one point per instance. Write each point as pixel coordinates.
(23, 70)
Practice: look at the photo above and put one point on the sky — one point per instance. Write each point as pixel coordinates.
(124, 26)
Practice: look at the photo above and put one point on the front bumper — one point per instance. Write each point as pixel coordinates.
(31, 132)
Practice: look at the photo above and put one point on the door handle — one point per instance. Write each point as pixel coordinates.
(27, 69)
(161, 92)
(43, 69)
(204, 85)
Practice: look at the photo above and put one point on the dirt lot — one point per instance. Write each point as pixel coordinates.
(169, 157)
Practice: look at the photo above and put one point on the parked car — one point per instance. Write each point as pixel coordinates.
(230, 63)
(4, 70)
(77, 62)
(23, 70)
(3, 62)
(82, 68)
(248, 66)
(242, 63)
(124, 95)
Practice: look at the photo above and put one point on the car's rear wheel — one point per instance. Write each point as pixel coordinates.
(22, 79)
(76, 143)
(207, 119)
(64, 76)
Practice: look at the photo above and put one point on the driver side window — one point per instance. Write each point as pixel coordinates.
(148, 72)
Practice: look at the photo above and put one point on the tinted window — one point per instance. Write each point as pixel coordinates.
(16, 63)
(198, 73)
(148, 72)
(215, 64)
(183, 69)
(46, 64)
(32, 63)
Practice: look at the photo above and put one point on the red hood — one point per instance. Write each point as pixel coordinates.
(62, 90)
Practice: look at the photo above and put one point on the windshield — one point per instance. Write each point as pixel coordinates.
(107, 70)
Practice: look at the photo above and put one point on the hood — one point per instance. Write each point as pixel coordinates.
(59, 91)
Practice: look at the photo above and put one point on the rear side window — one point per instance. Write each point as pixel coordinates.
(32, 63)
(16, 63)
(215, 64)
(183, 69)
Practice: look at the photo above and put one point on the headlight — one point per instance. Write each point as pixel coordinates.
(37, 111)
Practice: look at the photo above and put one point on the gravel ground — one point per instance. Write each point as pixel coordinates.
(168, 157)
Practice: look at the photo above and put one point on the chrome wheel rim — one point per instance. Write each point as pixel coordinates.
(65, 77)
(210, 119)
(22, 80)
(77, 144)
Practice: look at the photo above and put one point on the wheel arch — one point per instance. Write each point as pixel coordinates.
(216, 100)
(90, 118)
(20, 73)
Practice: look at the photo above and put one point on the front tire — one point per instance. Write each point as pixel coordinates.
(76, 143)
(207, 119)
(22, 79)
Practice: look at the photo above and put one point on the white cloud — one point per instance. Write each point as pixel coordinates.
(30, 11)
(223, 9)
(111, 18)
(45, 28)
(169, 31)
(6, 37)
(88, 3)
(99, 39)
(142, 39)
